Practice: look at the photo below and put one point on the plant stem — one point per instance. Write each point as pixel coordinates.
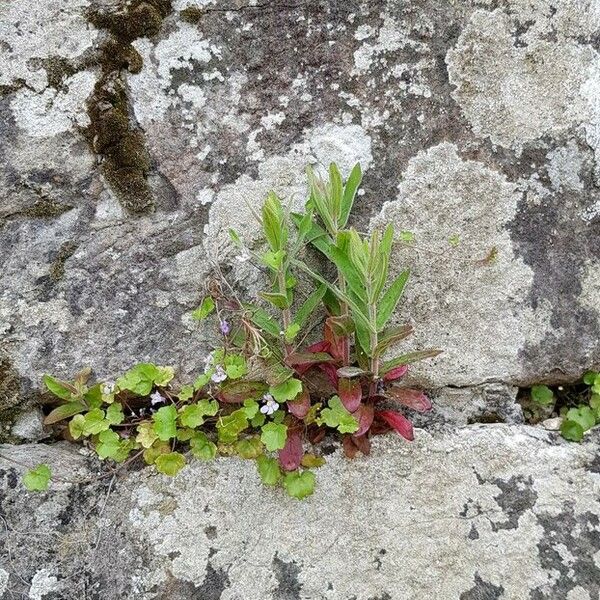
(286, 313)
(345, 312)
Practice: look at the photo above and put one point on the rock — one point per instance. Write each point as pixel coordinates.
(482, 511)
(552, 424)
(29, 426)
(135, 133)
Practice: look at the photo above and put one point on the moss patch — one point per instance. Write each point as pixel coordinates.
(192, 14)
(57, 269)
(112, 134)
(46, 208)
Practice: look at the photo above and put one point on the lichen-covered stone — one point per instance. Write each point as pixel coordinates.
(482, 512)
(476, 122)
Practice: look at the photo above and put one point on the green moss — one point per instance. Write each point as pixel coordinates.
(111, 132)
(57, 269)
(46, 208)
(192, 14)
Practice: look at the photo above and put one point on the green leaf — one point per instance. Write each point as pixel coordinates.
(291, 332)
(299, 485)
(249, 448)
(94, 396)
(583, 415)
(109, 444)
(311, 415)
(158, 448)
(235, 238)
(337, 417)
(350, 190)
(319, 200)
(206, 307)
(114, 414)
(277, 300)
(542, 395)
(273, 436)
(235, 366)
(571, 430)
(186, 393)
(141, 379)
(309, 305)
(310, 461)
(335, 180)
(202, 447)
(262, 318)
(250, 408)
(408, 358)
(406, 236)
(273, 222)
(273, 260)
(37, 479)
(170, 464)
(268, 469)
(590, 377)
(454, 240)
(258, 420)
(230, 426)
(165, 419)
(146, 435)
(92, 423)
(390, 299)
(391, 336)
(59, 388)
(287, 390)
(192, 415)
(349, 271)
(64, 411)
(201, 381)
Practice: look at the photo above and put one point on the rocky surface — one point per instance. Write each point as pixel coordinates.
(488, 511)
(134, 133)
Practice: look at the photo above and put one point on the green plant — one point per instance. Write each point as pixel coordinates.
(579, 406)
(264, 394)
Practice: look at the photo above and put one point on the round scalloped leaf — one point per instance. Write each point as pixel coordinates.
(170, 464)
(299, 485)
(37, 479)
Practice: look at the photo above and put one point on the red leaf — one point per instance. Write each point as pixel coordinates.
(322, 346)
(350, 448)
(238, 391)
(301, 405)
(331, 372)
(303, 361)
(290, 456)
(398, 422)
(315, 434)
(363, 443)
(364, 415)
(414, 399)
(396, 373)
(350, 392)
(336, 343)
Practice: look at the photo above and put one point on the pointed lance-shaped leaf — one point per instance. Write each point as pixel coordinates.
(350, 393)
(391, 336)
(396, 373)
(309, 305)
(364, 415)
(290, 456)
(398, 422)
(390, 299)
(350, 190)
(64, 411)
(414, 399)
(407, 359)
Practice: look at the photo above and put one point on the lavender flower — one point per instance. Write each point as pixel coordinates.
(219, 375)
(156, 398)
(224, 327)
(270, 405)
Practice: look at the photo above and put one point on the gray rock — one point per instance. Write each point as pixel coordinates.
(474, 121)
(489, 511)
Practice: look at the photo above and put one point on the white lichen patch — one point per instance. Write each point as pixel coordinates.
(32, 30)
(564, 168)
(43, 583)
(54, 111)
(468, 293)
(517, 94)
(590, 286)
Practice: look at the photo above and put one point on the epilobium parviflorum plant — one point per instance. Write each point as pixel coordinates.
(264, 393)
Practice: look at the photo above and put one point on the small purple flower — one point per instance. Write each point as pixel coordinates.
(269, 406)
(219, 375)
(156, 398)
(224, 327)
